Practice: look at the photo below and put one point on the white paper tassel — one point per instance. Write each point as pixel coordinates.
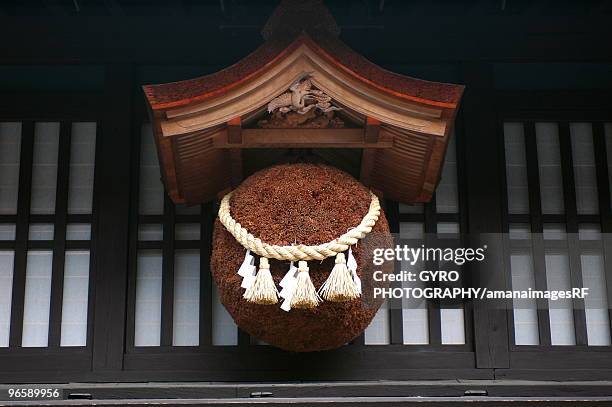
(249, 279)
(288, 283)
(263, 290)
(286, 305)
(290, 276)
(248, 265)
(289, 280)
(247, 270)
(340, 285)
(351, 264)
(305, 294)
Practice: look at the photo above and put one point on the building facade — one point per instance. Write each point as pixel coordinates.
(103, 278)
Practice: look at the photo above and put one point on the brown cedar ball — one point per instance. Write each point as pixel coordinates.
(308, 204)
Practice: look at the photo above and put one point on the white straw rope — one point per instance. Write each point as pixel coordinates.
(299, 252)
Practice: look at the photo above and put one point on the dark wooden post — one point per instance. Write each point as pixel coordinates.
(21, 236)
(113, 189)
(484, 202)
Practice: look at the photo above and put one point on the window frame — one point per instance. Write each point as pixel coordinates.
(65, 109)
(546, 361)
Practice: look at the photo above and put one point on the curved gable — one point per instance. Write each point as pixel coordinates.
(403, 145)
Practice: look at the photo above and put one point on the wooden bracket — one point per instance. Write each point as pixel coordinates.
(234, 131)
(372, 130)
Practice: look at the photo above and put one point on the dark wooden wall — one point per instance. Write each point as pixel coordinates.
(110, 50)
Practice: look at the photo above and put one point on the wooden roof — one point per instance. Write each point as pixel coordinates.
(406, 121)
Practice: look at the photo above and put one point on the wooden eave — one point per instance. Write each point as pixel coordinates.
(191, 118)
(187, 92)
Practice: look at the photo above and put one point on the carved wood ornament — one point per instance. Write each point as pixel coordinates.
(302, 88)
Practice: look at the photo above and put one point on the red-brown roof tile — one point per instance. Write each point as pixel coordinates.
(178, 94)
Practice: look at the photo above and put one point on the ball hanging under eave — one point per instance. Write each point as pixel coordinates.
(305, 204)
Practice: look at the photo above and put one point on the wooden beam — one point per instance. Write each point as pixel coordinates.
(21, 234)
(302, 138)
(208, 215)
(59, 243)
(234, 131)
(112, 209)
(484, 198)
(372, 130)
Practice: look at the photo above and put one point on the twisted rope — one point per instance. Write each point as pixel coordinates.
(298, 252)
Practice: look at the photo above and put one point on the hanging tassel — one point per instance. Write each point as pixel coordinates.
(249, 277)
(263, 291)
(286, 305)
(288, 283)
(289, 277)
(351, 264)
(247, 264)
(340, 285)
(305, 294)
(247, 270)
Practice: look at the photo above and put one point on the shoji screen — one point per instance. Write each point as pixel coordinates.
(420, 322)
(171, 276)
(555, 240)
(46, 213)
